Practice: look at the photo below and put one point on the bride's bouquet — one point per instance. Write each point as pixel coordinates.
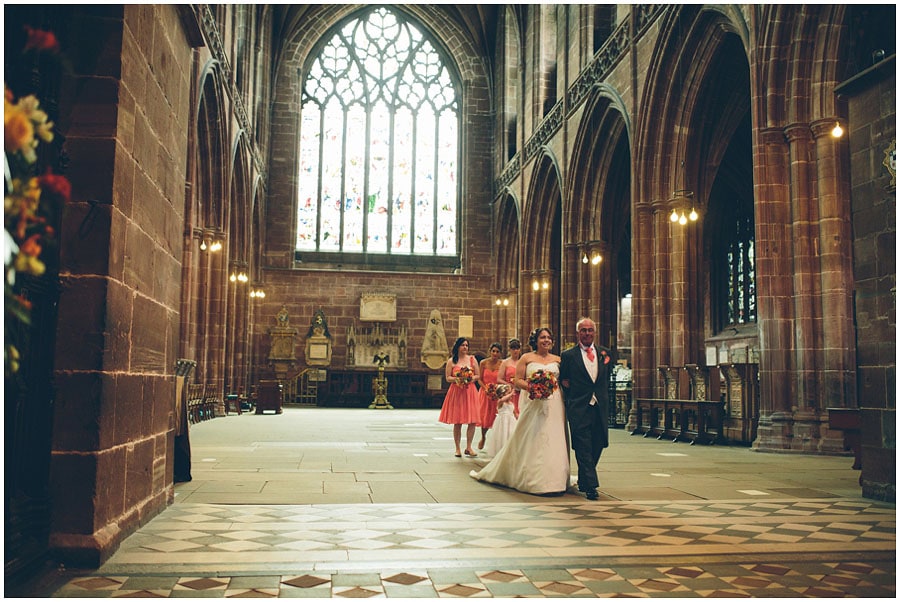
(464, 376)
(542, 384)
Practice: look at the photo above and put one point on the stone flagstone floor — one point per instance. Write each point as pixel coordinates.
(371, 503)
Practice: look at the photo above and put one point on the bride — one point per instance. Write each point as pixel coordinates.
(536, 457)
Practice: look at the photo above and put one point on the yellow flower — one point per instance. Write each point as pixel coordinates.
(29, 264)
(18, 130)
(13, 356)
(20, 123)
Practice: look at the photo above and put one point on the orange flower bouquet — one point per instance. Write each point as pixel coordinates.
(29, 199)
(464, 376)
(490, 390)
(542, 384)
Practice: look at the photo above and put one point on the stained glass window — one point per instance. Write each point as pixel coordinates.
(379, 143)
(741, 278)
(734, 267)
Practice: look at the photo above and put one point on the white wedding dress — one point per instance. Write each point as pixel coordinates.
(504, 426)
(536, 457)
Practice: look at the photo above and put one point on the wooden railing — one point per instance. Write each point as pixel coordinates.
(680, 420)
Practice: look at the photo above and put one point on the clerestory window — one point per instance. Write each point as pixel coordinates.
(379, 143)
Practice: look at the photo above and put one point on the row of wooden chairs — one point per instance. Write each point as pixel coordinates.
(201, 403)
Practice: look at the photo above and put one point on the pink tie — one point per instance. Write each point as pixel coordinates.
(590, 353)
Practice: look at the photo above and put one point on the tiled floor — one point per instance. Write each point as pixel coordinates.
(372, 503)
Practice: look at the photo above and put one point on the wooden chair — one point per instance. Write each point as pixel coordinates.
(194, 401)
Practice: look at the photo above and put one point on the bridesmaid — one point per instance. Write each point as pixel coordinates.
(461, 402)
(508, 371)
(490, 371)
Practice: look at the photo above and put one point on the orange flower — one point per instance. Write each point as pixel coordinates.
(32, 245)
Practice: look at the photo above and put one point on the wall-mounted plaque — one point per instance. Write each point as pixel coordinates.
(378, 307)
(466, 326)
(317, 351)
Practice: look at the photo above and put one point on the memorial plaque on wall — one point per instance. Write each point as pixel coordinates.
(378, 307)
(466, 326)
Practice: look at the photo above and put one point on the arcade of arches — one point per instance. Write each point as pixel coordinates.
(581, 129)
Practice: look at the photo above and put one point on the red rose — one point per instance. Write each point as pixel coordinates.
(58, 186)
(41, 40)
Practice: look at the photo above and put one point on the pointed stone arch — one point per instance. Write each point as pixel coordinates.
(542, 248)
(598, 222)
(681, 136)
(239, 267)
(506, 266)
(206, 309)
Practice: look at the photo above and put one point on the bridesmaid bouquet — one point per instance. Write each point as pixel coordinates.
(464, 376)
(542, 384)
(491, 391)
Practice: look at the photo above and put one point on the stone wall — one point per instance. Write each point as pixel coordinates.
(302, 293)
(121, 240)
(871, 98)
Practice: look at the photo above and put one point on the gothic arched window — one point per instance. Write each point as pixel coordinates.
(379, 143)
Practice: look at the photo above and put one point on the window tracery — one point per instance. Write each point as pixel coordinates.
(379, 139)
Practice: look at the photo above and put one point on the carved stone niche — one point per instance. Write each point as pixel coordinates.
(281, 351)
(318, 341)
(434, 348)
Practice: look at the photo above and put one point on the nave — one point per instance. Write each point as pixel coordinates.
(369, 503)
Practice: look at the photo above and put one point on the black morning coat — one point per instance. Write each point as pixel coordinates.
(578, 394)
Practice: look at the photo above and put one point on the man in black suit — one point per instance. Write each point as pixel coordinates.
(584, 374)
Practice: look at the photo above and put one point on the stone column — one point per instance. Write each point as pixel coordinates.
(113, 437)
(659, 247)
(806, 288)
(836, 376)
(642, 298)
(774, 263)
(573, 295)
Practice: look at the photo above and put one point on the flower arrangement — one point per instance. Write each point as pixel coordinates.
(491, 391)
(464, 376)
(542, 384)
(29, 199)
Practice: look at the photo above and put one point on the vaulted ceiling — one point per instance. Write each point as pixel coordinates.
(478, 20)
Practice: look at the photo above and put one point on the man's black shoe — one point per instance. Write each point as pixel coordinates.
(592, 495)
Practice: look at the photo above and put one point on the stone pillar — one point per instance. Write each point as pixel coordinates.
(660, 248)
(643, 299)
(774, 263)
(572, 294)
(120, 268)
(806, 288)
(836, 376)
